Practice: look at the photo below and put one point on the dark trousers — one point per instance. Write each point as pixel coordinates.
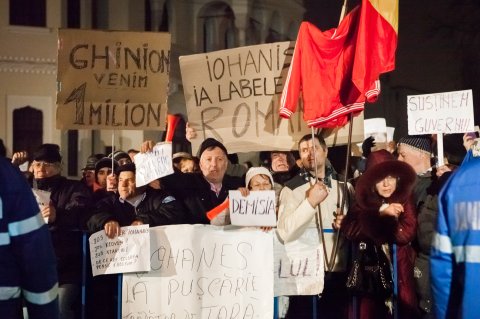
(332, 303)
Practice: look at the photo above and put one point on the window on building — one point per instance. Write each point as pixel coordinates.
(27, 129)
(156, 16)
(218, 23)
(31, 13)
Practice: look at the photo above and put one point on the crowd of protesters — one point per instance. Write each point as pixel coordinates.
(394, 204)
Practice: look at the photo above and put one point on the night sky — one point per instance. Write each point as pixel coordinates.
(438, 51)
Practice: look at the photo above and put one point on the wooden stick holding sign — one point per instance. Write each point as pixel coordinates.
(256, 209)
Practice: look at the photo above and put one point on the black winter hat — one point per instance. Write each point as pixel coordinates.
(422, 143)
(453, 148)
(210, 143)
(105, 162)
(129, 167)
(92, 160)
(49, 153)
(118, 155)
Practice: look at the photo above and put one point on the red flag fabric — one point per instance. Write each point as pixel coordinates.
(337, 70)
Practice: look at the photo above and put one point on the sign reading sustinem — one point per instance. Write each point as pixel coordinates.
(447, 112)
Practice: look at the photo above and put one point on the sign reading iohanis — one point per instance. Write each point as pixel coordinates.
(112, 79)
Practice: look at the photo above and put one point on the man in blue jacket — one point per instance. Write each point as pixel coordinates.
(27, 259)
(455, 255)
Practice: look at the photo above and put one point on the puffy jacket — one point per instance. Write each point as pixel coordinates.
(27, 260)
(156, 208)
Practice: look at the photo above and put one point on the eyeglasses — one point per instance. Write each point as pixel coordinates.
(390, 179)
(44, 164)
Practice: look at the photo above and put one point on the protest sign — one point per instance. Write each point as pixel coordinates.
(112, 79)
(234, 96)
(203, 271)
(256, 209)
(299, 265)
(128, 252)
(447, 112)
(153, 165)
(43, 199)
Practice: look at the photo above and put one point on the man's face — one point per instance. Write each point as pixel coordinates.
(213, 164)
(89, 177)
(307, 155)
(410, 156)
(43, 169)
(102, 176)
(126, 184)
(279, 162)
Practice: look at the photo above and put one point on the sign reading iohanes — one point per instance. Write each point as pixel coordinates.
(154, 164)
(203, 271)
(256, 209)
(112, 79)
(128, 252)
(234, 96)
(448, 112)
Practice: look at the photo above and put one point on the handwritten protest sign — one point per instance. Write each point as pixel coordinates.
(299, 265)
(447, 112)
(112, 79)
(203, 271)
(43, 199)
(153, 165)
(128, 252)
(256, 209)
(233, 95)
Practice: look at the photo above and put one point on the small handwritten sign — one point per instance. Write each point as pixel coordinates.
(447, 112)
(43, 199)
(256, 209)
(299, 265)
(153, 165)
(128, 252)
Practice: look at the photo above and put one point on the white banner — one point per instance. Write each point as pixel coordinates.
(203, 271)
(256, 209)
(447, 112)
(153, 165)
(128, 252)
(299, 265)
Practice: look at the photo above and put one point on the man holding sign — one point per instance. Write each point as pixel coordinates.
(134, 206)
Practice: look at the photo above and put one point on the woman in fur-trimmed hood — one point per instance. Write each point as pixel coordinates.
(384, 213)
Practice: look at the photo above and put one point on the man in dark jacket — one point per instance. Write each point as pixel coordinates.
(65, 214)
(129, 206)
(201, 192)
(134, 206)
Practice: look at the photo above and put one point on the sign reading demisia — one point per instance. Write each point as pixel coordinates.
(447, 112)
(112, 79)
(203, 271)
(234, 95)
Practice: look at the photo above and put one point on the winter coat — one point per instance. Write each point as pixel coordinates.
(73, 202)
(28, 273)
(157, 208)
(196, 195)
(363, 222)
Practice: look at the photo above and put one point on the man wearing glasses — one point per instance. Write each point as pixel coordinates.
(66, 213)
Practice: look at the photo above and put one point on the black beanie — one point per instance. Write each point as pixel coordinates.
(129, 167)
(421, 143)
(105, 162)
(49, 153)
(453, 148)
(210, 143)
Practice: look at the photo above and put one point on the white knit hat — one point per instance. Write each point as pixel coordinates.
(257, 171)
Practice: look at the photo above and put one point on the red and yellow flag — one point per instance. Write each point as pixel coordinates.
(376, 41)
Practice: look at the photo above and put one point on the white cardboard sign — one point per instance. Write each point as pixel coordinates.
(256, 209)
(153, 165)
(436, 113)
